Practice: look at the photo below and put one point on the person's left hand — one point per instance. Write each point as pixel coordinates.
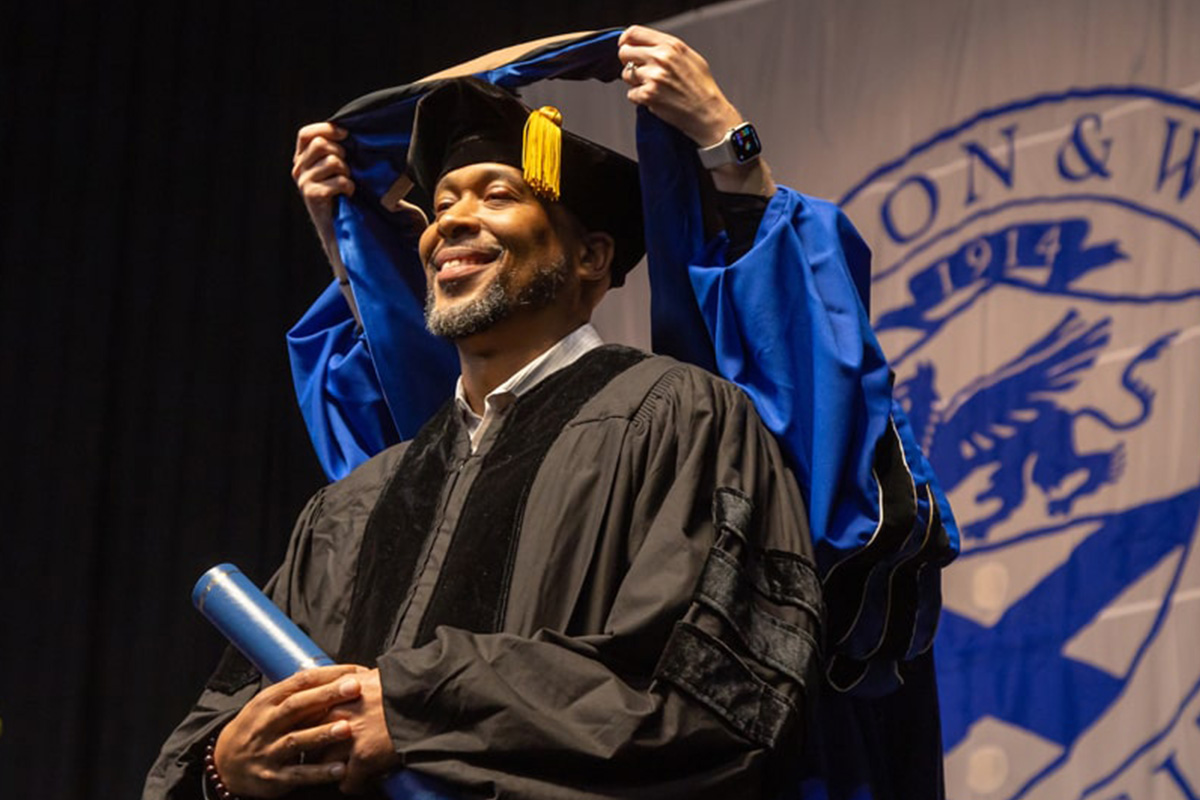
(674, 81)
(371, 753)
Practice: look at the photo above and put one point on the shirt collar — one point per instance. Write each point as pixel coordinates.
(562, 354)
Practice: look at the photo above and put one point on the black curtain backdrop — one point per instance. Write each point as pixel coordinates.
(153, 252)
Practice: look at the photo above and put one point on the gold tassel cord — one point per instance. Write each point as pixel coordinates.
(541, 153)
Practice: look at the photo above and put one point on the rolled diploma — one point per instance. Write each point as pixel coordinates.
(255, 625)
(278, 648)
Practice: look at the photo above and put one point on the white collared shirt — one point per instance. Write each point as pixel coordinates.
(564, 353)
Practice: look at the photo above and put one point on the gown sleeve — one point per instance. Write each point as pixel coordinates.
(698, 676)
(787, 322)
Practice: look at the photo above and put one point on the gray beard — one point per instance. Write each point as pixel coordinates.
(494, 304)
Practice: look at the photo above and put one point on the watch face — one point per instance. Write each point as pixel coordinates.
(745, 142)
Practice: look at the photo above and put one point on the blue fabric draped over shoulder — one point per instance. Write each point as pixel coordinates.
(787, 322)
(412, 371)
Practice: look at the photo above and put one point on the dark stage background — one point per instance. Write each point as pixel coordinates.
(152, 254)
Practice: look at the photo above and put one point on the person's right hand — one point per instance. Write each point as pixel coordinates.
(258, 753)
(321, 174)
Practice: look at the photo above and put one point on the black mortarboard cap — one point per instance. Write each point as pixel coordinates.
(469, 121)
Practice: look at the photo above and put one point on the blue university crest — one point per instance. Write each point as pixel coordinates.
(1037, 287)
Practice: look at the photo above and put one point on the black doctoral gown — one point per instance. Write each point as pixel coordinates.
(612, 597)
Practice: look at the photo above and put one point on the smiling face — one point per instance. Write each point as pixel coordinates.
(492, 250)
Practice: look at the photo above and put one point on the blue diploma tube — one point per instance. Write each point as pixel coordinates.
(274, 644)
(255, 625)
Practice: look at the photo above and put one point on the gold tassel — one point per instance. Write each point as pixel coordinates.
(541, 152)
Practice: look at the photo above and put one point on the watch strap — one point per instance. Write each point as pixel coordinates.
(726, 152)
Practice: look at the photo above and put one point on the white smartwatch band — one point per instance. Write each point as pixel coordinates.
(740, 145)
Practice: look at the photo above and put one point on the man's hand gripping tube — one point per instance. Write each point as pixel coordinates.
(278, 648)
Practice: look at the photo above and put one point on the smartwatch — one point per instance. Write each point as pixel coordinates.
(739, 146)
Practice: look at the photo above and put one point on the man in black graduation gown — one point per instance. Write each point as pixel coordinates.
(587, 576)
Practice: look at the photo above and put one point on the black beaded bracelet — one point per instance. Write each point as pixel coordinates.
(212, 778)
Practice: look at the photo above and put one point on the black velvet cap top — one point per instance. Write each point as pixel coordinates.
(469, 121)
